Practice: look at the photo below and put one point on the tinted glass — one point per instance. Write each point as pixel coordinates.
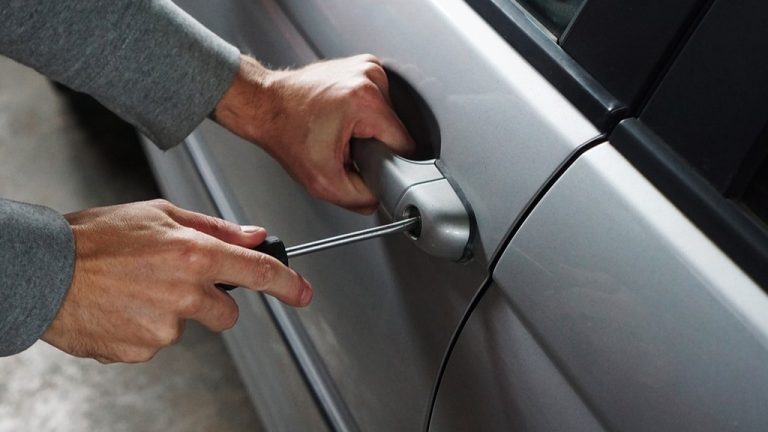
(555, 15)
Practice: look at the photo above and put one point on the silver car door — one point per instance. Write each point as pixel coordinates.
(370, 346)
(610, 309)
(634, 295)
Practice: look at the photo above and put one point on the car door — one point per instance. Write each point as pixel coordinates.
(633, 295)
(371, 345)
(514, 94)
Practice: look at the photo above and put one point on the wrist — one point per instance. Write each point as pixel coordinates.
(249, 106)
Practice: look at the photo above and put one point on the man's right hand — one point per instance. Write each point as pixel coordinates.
(142, 269)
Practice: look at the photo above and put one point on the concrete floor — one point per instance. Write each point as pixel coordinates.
(70, 156)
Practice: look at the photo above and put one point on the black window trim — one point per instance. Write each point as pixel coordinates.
(605, 35)
(595, 29)
(724, 221)
(527, 37)
(682, 131)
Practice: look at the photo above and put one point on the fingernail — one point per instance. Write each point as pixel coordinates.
(306, 292)
(251, 229)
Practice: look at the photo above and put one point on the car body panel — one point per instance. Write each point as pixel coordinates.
(499, 379)
(655, 328)
(384, 311)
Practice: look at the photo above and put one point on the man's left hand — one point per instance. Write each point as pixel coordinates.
(306, 117)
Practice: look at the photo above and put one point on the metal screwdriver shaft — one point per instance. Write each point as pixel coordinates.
(274, 247)
(353, 237)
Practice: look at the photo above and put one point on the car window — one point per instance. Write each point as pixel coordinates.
(599, 54)
(709, 108)
(706, 145)
(555, 15)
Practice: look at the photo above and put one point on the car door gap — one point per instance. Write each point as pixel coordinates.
(489, 280)
(451, 345)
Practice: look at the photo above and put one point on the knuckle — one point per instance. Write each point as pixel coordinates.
(366, 96)
(167, 335)
(368, 57)
(143, 355)
(264, 271)
(161, 204)
(191, 303)
(214, 224)
(217, 224)
(191, 252)
(365, 90)
(134, 355)
(372, 70)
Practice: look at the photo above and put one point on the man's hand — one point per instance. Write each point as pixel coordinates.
(305, 118)
(142, 269)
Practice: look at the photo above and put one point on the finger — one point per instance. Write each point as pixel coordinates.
(363, 201)
(346, 188)
(378, 76)
(370, 58)
(182, 326)
(260, 272)
(215, 309)
(127, 353)
(246, 236)
(384, 125)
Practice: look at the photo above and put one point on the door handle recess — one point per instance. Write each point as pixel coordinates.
(407, 188)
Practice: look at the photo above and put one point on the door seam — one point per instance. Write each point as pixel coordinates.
(517, 224)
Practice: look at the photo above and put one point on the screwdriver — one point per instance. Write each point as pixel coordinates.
(274, 247)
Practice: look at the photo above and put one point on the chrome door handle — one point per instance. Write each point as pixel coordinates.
(407, 188)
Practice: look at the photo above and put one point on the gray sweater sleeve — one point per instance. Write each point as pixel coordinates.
(36, 266)
(146, 60)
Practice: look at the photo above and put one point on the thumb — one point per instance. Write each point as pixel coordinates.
(385, 126)
(351, 192)
(367, 202)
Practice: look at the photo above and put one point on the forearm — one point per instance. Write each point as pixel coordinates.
(37, 255)
(146, 60)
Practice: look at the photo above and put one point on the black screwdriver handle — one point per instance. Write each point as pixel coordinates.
(273, 247)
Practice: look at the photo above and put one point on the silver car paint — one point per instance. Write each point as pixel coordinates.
(384, 311)
(500, 379)
(652, 324)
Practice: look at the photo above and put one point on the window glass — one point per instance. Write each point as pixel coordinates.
(555, 15)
